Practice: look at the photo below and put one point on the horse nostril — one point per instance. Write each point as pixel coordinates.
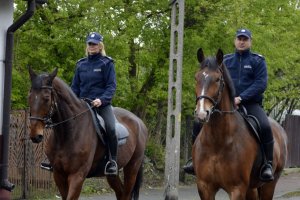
(37, 139)
(40, 137)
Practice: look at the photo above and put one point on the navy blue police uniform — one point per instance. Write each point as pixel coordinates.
(95, 78)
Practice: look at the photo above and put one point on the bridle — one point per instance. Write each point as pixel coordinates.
(214, 102)
(48, 118)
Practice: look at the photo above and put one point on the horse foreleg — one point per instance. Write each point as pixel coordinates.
(238, 193)
(252, 194)
(62, 184)
(75, 182)
(206, 192)
(116, 184)
(266, 192)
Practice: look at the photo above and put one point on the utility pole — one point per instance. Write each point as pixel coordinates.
(174, 101)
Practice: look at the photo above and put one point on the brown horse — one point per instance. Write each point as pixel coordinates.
(225, 154)
(74, 149)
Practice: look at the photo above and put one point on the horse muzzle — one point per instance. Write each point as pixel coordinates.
(37, 139)
(203, 116)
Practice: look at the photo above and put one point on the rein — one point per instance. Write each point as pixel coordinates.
(48, 121)
(51, 125)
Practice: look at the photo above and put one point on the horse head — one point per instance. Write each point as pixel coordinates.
(209, 84)
(41, 102)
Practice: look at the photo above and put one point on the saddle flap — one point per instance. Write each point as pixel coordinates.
(252, 122)
(121, 131)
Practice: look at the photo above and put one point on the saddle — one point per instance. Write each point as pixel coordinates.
(121, 131)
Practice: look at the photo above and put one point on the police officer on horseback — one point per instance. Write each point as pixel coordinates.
(249, 74)
(95, 79)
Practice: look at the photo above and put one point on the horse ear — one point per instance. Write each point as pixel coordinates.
(200, 55)
(32, 74)
(53, 74)
(219, 56)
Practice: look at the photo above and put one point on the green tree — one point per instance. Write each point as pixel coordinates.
(136, 35)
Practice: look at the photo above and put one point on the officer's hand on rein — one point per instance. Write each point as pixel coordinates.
(237, 100)
(97, 102)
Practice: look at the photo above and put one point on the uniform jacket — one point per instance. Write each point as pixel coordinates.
(95, 78)
(249, 74)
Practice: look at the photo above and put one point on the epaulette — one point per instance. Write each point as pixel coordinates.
(109, 58)
(258, 56)
(81, 59)
(226, 56)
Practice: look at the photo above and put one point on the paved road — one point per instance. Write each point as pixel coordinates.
(287, 183)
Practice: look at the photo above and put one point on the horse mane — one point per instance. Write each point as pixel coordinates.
(64, 90)
(229, 83)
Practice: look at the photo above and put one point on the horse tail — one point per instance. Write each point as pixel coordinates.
(138, 182)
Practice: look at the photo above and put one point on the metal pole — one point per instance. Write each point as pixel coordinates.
(174, 101)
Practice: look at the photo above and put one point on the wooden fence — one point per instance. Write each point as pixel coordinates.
(292, 127)
(24, 160)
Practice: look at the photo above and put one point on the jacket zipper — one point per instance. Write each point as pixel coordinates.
(240, 69)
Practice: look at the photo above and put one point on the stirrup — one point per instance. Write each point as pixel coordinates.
(188, 167)
(46, 166)
(111, 162)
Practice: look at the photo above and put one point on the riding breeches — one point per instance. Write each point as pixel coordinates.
(257, 111)
(107, 114)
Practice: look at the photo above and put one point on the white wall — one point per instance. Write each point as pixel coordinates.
(6, 18)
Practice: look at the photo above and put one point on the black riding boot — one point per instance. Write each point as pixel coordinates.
(267, 170)
(188, 167)
(112, 167)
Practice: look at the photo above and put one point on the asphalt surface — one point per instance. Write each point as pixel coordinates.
(287, 184)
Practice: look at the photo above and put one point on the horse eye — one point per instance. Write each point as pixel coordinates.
(218, 79)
